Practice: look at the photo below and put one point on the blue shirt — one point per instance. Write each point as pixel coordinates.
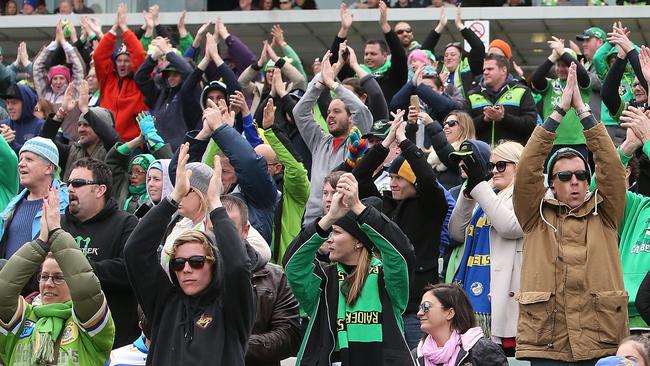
(20, 228)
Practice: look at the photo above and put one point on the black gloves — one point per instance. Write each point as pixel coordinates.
(475, 171)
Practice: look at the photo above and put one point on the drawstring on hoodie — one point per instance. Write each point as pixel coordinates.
(541, 213)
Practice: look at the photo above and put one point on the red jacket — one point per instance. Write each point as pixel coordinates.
(126, 101)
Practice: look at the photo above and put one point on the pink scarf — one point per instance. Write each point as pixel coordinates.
(446, 355)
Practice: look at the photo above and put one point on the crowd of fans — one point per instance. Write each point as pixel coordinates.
(170, 198)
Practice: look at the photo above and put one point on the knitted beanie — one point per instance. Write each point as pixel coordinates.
(503, 46)
(201, 175)
(59, 70)
(42, 147)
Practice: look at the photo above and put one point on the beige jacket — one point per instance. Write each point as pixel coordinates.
(293, 79)
(506, 245)
(573, 305)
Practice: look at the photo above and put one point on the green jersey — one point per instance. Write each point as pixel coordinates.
(85, 344)
(570, 130)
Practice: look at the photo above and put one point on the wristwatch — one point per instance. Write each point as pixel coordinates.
(559, 110)
(583, 110)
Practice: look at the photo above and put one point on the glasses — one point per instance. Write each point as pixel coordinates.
(425, 306)
(500, 165)
(81, 182)
(405, 30)
(137, 172)
(195, 262)
(566, 175)
(450, 123)
(56, 279)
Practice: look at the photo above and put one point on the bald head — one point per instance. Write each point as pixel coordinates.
(274, 165)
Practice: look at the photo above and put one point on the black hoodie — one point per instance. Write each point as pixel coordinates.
(102, 239)
(211, 328)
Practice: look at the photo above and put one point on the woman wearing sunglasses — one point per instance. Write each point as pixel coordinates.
(491, 264)
(456, 128)
(452, 334)
(205, 314)
(72, 325)
(356, 303)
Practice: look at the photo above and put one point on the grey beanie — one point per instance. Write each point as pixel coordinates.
(102, 114)
(201, 175)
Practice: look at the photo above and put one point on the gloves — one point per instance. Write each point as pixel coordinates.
(475, 171)
(146, 124)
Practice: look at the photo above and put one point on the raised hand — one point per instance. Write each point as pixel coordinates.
(644, 59)
(121, 20)
(278, 84)
(227, 115)
(212, 116)
(69, 101)
(459, 19)
(576, 101)
(348, 187)
(557, 45)
(182, 31)
(155, 13)
(619, 37)
(270, 52)
(58, 35)
(398, 119)
(278, 35)
(327, 71)
(215, 188)
(238, 104)
(221, 29)
(83, 97)
(268, 117)
(632, 142)
(636, 120)
(264, 55)
(7, 133)
(346, 21)
(567, 95)
(442, 22)
(51, 212)
(383, 17)
(182, 185)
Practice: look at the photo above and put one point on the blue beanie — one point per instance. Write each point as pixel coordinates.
(42, 147)
(615, 361)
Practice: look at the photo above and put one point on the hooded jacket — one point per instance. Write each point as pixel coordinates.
(167, 187)
(101, 121)
(276, 332)
(101, 239)
(28, 125)
(212, 327)
(316, 286)
(573, 277)
(120, 96)
(475, 350)
(8, 213)
(164, 102)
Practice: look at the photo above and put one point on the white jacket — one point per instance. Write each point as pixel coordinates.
(506, 246)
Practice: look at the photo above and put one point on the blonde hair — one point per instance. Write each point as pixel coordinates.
(192, 236)
(353, 284)
(509, 151)
(466, 123)
(203, 201)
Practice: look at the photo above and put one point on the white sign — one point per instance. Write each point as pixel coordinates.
(482, 30)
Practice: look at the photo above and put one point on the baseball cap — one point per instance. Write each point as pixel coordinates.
(480, 149)
(379, 129)
(593, 32)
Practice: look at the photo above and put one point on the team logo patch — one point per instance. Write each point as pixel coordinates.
(476, 288)
(28, 329)
(204, 321)
(70, 334)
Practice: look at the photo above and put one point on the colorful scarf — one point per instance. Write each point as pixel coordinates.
(47, 329)
(361, 322)
(446, 356)
(380, 71)
(474, 272)
(357, 148)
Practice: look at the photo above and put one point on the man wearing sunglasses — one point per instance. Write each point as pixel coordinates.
(101, 229)
(572, 299)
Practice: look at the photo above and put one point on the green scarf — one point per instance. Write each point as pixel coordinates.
(379, 72)
(361, 322)
(49, 325)
(140, 191)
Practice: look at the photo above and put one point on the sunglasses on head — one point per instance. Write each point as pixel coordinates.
(81, 182)
(450, 123)
(501, 165)
(566, 175)
(402, 31)
(195, 262)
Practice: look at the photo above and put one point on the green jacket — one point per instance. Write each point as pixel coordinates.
(316, 287)
(634, 242)
(87, 336)
(9, 179)
(295, 60)
(295, 192)
(626, 90)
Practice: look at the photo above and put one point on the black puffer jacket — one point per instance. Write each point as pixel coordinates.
(483, 353)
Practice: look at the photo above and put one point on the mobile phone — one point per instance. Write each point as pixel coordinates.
(415, 102)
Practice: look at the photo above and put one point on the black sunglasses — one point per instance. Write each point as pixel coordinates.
(81, 182)
(195, 261)
(566, 175)
(450, 123)
(402, 31)
(500, 165)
